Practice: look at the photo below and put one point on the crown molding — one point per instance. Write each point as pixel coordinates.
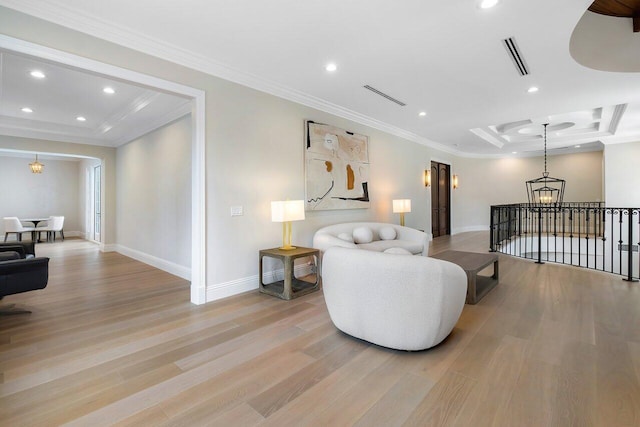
(626, 139)
(164, 120)
(58, 13)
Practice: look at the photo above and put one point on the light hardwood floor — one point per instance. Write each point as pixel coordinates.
(114, 341)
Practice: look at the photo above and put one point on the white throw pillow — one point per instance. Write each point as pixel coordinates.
(362, 235)
(387, 233)
(397, 251)
(346, 236)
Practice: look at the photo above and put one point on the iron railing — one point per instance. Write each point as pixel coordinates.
(585, 234)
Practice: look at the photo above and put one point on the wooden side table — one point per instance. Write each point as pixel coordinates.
(291, 287)
(472, 263)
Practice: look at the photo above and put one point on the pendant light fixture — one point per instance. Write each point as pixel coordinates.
(36, 167)
(545, 190)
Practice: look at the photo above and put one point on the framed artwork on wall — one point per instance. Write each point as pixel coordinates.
(336, 168)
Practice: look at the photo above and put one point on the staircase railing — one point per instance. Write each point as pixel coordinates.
(586, 234)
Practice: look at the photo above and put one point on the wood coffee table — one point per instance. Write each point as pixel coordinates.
(472, 263)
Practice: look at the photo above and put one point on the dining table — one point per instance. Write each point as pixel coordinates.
(35, 222)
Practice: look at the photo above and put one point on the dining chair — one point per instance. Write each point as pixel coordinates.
(13, 225)
(54, 224)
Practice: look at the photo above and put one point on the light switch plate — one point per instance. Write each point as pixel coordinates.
(236, 211)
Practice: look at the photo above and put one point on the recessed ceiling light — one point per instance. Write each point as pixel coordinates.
(37, 74)
(577, 146)
(486, 4)
(81, 119)
(514, 152)
(533, 89)
(422, 113)
(331, 67)
(27, 110)
(109, 90)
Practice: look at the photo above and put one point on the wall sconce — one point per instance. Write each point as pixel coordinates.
(455, 182)
(427, 178)
(285, 212)
(401, 206)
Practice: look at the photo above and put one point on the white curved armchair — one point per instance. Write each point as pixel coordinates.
(13, 225)
(398, 301)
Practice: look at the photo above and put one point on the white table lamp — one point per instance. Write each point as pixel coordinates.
(402, 206)
(286, 211)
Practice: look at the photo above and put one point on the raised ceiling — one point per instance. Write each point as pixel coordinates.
(606, 43)
(55, 102)
(444, 58)
(620, 9)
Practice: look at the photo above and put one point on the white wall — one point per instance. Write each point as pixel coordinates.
(256, 155)
(105, 154)
(153, 187)
(486, 182)
(53, 192)
(622, 166)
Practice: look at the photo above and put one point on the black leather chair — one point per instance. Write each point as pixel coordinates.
(21, 271)
(25, 249)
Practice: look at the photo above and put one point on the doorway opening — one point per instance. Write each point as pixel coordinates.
(197, 106)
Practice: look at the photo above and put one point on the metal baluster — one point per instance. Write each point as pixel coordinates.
(620, 243)
(603, 229)
(547, 227)
(530, 231)
(539, 236)
(555, 235)
(571, 214)
(629, 277)
(561, 225)
(520, 230)
(492, 246)
(587, 234)
(637, 211)
(612, 214)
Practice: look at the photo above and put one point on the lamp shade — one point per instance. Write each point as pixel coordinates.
(402, 205)
(287, 210)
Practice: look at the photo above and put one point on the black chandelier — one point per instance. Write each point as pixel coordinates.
(545, 190)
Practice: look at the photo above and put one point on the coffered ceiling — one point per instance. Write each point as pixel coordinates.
(446, 59)
(584, 129)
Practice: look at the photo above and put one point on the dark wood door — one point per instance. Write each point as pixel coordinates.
(440, 199)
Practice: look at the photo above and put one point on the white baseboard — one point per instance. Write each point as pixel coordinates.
(245, 284)
(168, 266)
(233, 287)
(111, 247)
(470, 228)
(74, 234)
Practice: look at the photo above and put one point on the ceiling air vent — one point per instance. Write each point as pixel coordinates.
(384, 95)
(516, 56)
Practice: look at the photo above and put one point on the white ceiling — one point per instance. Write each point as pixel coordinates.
(442, 57)
(66, 93)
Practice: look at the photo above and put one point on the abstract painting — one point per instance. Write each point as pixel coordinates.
(337, 168)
